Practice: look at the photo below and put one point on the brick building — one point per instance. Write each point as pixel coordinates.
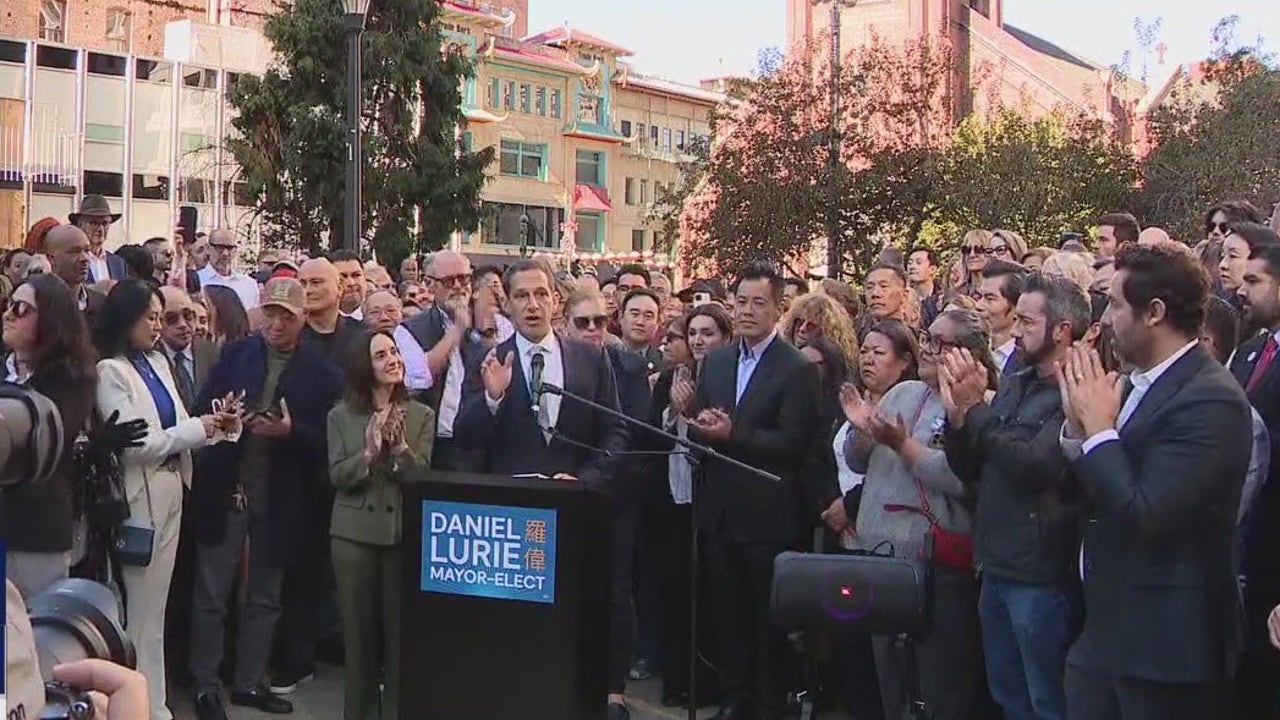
(1017, 68)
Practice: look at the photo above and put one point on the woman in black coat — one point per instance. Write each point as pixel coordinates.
(49, 352)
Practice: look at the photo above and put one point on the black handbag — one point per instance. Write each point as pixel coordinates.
(133, 543)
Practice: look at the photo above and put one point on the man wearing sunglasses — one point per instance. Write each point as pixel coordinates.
(190, 357)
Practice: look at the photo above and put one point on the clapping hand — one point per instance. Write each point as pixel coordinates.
(1091, 395)
(374, 435)
(890, 433)
(857, 410)
(715, 424)
(962, 382)
(681, 392)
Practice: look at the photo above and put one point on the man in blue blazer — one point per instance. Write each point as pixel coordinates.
(262, 489)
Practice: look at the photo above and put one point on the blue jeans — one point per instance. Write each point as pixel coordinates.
(1026, 632)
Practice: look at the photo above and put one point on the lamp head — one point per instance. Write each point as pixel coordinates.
(355, 7)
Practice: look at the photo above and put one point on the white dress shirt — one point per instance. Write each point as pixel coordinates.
(552, 373)
(357, 314)
(748, 360)
(98, 268)
(417, 375)
(1002, 354)
(246, 288)
(451, 394)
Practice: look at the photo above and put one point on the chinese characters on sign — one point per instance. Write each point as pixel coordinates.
(508, 553)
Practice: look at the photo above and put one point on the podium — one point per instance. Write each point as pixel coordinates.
(505, 599)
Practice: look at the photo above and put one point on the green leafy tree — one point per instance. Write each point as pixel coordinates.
(1037, 177)
(769, 191)
(290, 138)
(1214, 139)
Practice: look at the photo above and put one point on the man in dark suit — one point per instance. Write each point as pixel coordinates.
(190, 357)
(756, 401)
(1254, 367)
(442, 353)
(500, 419)
(1162, 459)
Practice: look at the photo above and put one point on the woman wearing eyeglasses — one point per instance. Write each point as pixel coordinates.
(1007, 245)
(911, 500)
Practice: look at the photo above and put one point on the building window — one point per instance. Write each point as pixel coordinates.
(644, 192)
(520, 159)
(509, 95)
(680, 140)
(653, 135)
(629, 192)
(640, 133)
(637, 241)
(501, 224)
(666, 139)
(555, 104)
(590, 168)
(625, 128)
(119, 29)
(494, 94)
(52, 23)
(526, 98)
(590, 237)
(541, 101)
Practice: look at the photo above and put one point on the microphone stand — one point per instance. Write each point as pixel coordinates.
(697, 455)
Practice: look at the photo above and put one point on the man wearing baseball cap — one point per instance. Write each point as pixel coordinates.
(266, 488)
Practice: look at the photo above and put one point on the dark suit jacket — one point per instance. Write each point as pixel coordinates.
(636, 475)
(297, 475)
(205, 354)
(510, 442)
(1262, 537)
(93, 306)
(773, 428)
(1161, 597)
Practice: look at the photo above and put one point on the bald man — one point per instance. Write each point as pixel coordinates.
(189, 356)
(442, 350)
(67, 248)
(326, 327)
(223, 247)
(1153, 236)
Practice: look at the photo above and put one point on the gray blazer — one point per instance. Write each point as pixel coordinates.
(367, 506)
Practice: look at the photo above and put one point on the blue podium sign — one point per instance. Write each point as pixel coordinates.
(507, 553)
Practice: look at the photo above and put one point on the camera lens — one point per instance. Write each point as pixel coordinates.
(76, 619)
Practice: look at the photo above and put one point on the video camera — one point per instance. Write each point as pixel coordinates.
(74, 619)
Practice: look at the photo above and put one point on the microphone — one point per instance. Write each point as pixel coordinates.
(536, 365)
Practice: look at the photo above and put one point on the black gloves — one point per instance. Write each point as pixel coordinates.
(112, 436)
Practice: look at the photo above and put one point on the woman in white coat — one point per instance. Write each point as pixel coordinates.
(136, 381)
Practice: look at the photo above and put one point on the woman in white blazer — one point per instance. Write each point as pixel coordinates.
(136, 381)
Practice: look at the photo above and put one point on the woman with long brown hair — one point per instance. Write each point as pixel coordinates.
(378, 438)
(707, 328)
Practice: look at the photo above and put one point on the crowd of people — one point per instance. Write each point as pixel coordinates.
(1074, 438)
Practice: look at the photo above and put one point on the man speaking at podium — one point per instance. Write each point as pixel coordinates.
(522, 430)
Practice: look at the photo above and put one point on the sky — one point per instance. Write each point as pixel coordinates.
(686, 40)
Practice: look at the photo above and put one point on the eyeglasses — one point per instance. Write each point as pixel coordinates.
(222, 246)
(174, 317)
(20, 308)
(1221, 227)
(974, 250)
(452, 279)
(583, 322)
(1000, 250)
(934, 344)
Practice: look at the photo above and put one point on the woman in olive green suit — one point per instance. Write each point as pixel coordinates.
(378, 437)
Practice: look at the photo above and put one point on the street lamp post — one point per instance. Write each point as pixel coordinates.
(834, 254)
(353, 24)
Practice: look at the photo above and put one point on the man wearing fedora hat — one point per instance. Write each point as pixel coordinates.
(94, 217)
